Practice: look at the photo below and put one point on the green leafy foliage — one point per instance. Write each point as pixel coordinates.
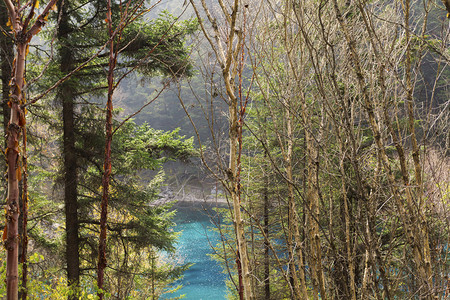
(158, 46)
(138, 228)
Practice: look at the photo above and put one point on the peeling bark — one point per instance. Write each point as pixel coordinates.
(23, 36)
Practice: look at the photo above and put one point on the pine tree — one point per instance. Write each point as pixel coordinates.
(155, 47)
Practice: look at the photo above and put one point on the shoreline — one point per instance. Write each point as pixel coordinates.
(189, 195)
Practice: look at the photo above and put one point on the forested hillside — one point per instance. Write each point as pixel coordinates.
(324, 125)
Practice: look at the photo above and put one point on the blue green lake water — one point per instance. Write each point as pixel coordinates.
(204, 280)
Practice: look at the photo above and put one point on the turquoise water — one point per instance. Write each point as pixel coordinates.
(204, 280)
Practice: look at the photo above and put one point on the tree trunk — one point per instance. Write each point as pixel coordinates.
(24, 222)
(66, 96)
(234, 188)
(266, 240)
(299, 285)
(17, 120)
(6, 60)
(107, 163)
(413, 220)
(23, 36)
(70, 192)
(227, 50)
(313, 213)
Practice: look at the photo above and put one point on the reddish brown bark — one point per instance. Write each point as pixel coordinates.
(107, 164)
(24, 253)
(23, 35)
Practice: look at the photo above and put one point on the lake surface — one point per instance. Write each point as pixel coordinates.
(204, 280)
